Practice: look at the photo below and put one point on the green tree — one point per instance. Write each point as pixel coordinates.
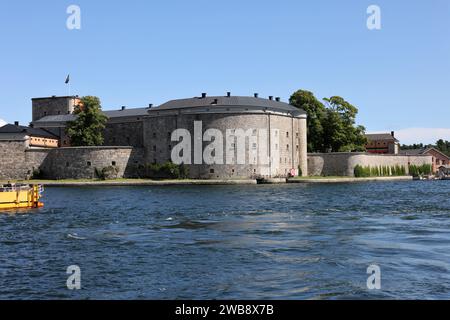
(87, 128)
(443, 146)
(316, 111)
(341, 133)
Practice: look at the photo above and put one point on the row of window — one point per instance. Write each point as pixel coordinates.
(233, 131)
(89, 163)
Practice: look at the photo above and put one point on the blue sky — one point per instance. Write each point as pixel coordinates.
(138, 52)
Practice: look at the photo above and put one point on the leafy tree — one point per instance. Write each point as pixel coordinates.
(87, 129)
(443, 146)
(316, 111)
(331, 127)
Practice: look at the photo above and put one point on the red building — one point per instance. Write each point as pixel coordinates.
(439, 159)
(382, 143)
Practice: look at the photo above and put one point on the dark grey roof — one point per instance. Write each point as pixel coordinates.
(412, 152)
(132, 112)
(421, 151)
(381, 136)
(233, 101)
(11, 128)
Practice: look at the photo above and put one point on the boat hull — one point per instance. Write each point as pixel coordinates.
(20, 198)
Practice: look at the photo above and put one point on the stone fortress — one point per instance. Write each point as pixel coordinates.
(135, 137)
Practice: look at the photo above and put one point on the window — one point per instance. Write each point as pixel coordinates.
(287, 147)
(255, 132)
(67, 164)
(113, 163)
(169, 135)
(297, 147)
(296, 134)
(287, 134)
(255, 146)
(154, 134)
(89, 164)
(211, 170)
(154, 148)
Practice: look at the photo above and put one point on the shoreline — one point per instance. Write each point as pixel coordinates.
(348, 179)
(188, 182)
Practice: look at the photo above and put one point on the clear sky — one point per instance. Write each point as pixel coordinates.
(138, 52)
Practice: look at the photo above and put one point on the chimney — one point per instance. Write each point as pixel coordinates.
(228, 94)
(150, 105)
(123, 108)
(203, 95)
(256, 95)
(393, 134)
(16, 123)
(278, 99)
(270, 97)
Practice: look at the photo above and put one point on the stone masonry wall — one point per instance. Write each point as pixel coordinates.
(343, 164)
(290, 134)
(82, 162)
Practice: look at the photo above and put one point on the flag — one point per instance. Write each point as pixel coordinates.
(68, 79)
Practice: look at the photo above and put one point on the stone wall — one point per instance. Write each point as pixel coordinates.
(53, 106)
(288, 137)
(124, 134)
(12, 160)
(18, 162)
(85, 162)
(343, 164)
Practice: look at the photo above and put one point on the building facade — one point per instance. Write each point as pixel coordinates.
(382, 143)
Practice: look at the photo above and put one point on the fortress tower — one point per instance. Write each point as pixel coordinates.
(52, 106)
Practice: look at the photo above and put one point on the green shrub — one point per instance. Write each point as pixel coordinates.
(379, 171)
(107, 173)
(167, 170)
(416, 171)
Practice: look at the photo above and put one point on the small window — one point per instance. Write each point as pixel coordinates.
(287, 147)
(297, 147)
(296, 134)
(67, 164)
(169, 134)
(255, 146)
(287, 134)
(255, 132)
(113, 163)
(154, 134)
(154, 148)
(211, 170)
(89, 164)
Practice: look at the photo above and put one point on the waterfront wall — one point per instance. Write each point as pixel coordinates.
(343, 164)
(18, 162)
(84, 162)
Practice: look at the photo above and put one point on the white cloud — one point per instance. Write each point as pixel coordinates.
(2, 123)
(422, 135)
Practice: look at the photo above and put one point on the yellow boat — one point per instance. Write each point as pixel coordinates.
(16, 196)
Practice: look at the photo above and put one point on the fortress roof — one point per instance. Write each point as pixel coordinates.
(132, 112)
(35, 132)
(229, 101)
